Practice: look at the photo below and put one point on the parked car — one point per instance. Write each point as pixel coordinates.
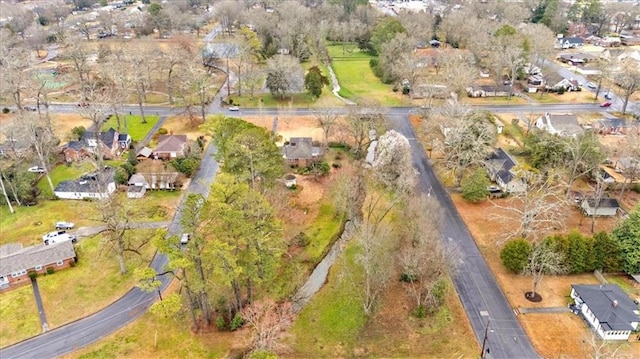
(605, 104)
(64, 225)
(184, 239)
(234, 108)
(57, 237)
(591, 85)
(608, 96)
(36, 169)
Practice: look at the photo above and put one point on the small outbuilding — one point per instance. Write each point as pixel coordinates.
(606, 207)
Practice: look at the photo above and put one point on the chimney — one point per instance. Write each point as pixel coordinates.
(614, 303)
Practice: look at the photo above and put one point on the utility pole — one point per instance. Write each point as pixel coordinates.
(484, 340)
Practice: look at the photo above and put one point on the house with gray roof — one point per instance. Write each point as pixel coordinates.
(559, 124)
(300, 151)
(171, 146)
(16, 262)
(605, 207)
(501, 168)
(89, 186)
(610, 311)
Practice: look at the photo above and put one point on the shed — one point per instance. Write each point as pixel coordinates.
(606, 207)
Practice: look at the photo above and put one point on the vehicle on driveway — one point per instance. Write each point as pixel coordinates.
(608, 96)
(64, 225)
(184, 239)
(57, 237)
(605, 104)
(36, 169)
(234, 108)
(591, 85)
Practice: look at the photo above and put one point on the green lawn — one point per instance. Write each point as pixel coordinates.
(323, 232)
(357, 80)
(73, 292)
(19, 315)
(333, 316)
(136, 129)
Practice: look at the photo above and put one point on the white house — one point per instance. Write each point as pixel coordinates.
(501, 168)
(562, 125)
(611, 313)
(607, 207)
(87, 187)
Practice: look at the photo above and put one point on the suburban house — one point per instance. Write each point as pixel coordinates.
(137, 186)
(562, 125)
(171, 146)
(577, 59)
(606, 207)
(570, 42)
(112, 144)
(566, 85)
(488, 91)
(86, 187)
(155, 180)
(611, 126)
(300, 151)
(501, 169)
(611, 313)
(629, 40)
(16, 262)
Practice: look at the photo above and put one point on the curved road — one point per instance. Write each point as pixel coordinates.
(88, 330)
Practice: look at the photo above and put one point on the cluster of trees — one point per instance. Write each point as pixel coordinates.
(615, 252)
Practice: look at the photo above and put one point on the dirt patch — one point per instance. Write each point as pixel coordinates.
(184, 125)
(289, 126)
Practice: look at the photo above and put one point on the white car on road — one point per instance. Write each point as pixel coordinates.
(234, 108)
(64, 225)
(36, 169)
(591, 85)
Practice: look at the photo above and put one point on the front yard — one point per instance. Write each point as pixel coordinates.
(134, 126)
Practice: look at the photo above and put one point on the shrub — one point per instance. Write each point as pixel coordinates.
(515, 254)
(121, 176)
(336, 165)
(262, 354)
(301, 239)
(129, 168)
(420, 311)
(237, 322)
(162, 131)
(5, 110)
(187, 165)
(220, 323)
(50, 270)
(32, 274)
(474, 186)
(72, 264)
(408, 277)
(78, 132)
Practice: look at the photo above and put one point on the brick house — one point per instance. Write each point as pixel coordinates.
(300, 152)
(112, 142)
(16, 262)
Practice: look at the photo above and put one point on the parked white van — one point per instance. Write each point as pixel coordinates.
(57, 237)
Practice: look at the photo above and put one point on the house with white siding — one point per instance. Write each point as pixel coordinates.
(610, 311)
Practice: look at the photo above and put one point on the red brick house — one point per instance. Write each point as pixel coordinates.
(112, 144)
(300, 151)
(16, 262)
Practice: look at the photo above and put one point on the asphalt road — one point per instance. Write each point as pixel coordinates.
(134, 303)
(475, 284)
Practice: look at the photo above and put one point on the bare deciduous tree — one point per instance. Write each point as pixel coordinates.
(358, 123)
(268, 321)
(538, 210)
(628, 78)
(543, 260)
(326, 119)
(583, 156)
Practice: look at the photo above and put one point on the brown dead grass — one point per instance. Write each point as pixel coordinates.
(61, 123)
(288, 126)
(548, 332)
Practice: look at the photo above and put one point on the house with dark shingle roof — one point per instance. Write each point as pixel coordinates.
(300, 151)
(171, 146)
(610, 311)
(501, 168)
(606, 207)
(16, 262)
(112, 142)
(87, 187)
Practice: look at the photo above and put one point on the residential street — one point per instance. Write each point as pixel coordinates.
(475, 284)
(134, 303)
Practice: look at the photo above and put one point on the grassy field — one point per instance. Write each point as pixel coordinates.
(323, 232)
(356, 79)
(137, 130)
(74, 292)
